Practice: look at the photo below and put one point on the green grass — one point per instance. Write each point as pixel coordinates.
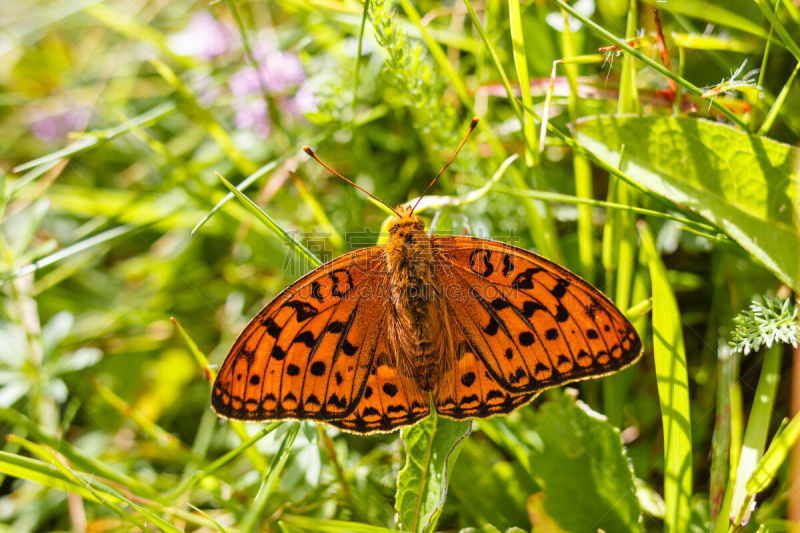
(154, 196)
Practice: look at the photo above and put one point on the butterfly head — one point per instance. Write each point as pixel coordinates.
(407, 238)
(405, 223)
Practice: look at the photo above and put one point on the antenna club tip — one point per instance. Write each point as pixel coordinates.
(308, 150)
(475, 120)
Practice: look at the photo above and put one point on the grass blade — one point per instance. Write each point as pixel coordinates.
(755, 434)
(287, 239)
(273, 472)
(97, 138)
(521, 63)
(673, 391)
(222, 461)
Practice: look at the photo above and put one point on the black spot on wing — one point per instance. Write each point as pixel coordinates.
(498, 304)
(249, 355)
(468, 379)
(317, 368)
(349, 349)
(370, 411)
(312, 399)
(561, 288)
(491, 327)
(273, 329)
(526, 338)
(494, 394)
(495, 321)
(472, 398)
(335, 401)
(306, 338)
(530, 307)
(315, 291)
(342, 282)
(303, 310)
(524, 280)
(508, 265)
(480, 262)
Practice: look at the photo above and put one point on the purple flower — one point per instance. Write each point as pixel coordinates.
(277, 73)
(205, 37)
(304, 101)
(277, 70)
(281, 70)
(252, 114)
(206, 89)
(244, 82)
(56, 126)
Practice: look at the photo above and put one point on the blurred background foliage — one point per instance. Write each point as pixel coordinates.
(115, 116)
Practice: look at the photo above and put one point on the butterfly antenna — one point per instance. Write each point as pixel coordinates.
(310, 152)
(460, 146)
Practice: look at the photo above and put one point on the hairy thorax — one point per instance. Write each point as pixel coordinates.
(418, 333)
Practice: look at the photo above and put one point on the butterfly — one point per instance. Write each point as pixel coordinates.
(371, 340)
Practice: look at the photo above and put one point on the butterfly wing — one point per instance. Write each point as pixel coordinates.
(388, 402)
(309, 353)
(530, 323)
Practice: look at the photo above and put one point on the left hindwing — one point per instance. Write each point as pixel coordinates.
(533, 324)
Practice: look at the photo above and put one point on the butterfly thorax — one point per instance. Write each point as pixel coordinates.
(416, 331)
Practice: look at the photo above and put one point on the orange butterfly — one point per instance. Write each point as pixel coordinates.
(369, 340)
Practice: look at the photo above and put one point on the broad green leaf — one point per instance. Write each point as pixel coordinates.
(583, 470)
(744, 184)
(673, 391)
(489, 486)
(432, 446)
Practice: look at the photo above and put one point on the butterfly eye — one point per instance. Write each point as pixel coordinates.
(392, 229)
